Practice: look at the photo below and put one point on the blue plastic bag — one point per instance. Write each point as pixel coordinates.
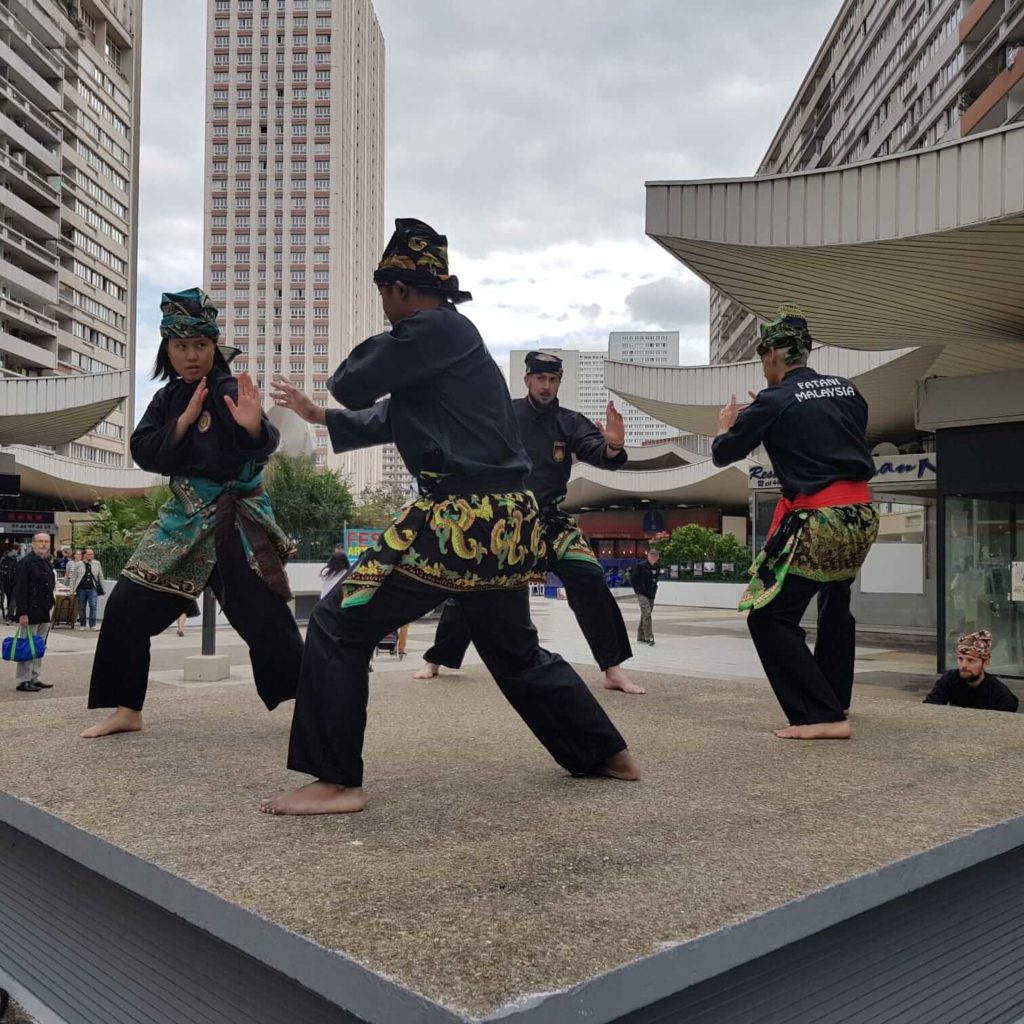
(23, 646)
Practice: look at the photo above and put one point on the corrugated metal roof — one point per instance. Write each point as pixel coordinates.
(56, 410)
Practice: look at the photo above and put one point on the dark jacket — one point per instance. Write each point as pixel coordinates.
(991, 694)
(644, 579)
(552, 436)
(449, 410)
(813, 428)
(33, 588)
(215, 446)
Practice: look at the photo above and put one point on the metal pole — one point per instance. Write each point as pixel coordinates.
(209, 622)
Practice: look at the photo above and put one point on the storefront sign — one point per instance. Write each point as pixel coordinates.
(16, 520)
(357, 541)
(892, 473)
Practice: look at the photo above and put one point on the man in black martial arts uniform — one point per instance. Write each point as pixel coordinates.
(475, 531)
(553, 435)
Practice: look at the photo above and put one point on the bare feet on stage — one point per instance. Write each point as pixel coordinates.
(121, 720)
(428, 671)
(819, 731)
(616, 679)
(317, 798)
(622, 765)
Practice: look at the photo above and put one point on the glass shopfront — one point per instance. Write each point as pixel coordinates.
(981, 487)
(984, 542)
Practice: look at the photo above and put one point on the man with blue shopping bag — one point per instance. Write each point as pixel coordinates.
(33, 599)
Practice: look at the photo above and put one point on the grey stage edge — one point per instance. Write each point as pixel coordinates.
(94, 935)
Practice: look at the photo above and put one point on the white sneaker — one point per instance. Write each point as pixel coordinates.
(94, 628)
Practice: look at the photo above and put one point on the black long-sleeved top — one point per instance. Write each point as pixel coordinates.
(33, 588)
(552, 436)
(991, 694)
(449, 409)
(813, 428)
(644, 579)
(222, 451)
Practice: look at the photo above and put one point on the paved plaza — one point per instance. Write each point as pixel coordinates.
(709, 643)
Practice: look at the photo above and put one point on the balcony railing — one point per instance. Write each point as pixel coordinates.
(17, 239)
(19, 170)
(38, 115)
(8, 19)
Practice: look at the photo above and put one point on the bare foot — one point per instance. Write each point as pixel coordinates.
(428, 671)
(316, 798)
(818, 731)
(620, 766)
(121, 720)
(616, 679)
(181, 632)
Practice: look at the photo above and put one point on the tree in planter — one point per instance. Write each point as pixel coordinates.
(377, 506)
(692, 543)
(304, 498)
(120, 522)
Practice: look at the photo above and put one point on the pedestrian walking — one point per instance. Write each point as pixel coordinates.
(32, 595)
(644, 579)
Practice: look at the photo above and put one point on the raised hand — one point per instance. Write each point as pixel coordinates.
(728, 415)
(248, 410)
(286, 395)
(613, 430)
(192, 410)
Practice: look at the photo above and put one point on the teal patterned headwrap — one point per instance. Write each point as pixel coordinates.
(188, 314)
(789, 331)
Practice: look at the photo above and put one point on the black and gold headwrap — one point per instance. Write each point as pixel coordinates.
(188, 314)
(418, 255)
(789, 331)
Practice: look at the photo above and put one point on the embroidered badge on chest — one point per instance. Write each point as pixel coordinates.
(205, 421)
(558, 451)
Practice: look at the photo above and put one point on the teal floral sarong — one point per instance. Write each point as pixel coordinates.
(177, 554)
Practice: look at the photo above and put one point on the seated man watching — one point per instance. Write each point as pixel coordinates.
(969, 685)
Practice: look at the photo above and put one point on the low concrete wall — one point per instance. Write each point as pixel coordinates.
(685, 594)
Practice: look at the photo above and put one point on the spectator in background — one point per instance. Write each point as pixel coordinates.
(33, 599)
(969, 685)
(644, 580)
(76, 556)
(333, 571)
(85, 578)
(8, 564)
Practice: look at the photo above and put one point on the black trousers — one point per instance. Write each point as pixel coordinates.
(810, 687)
(330, 712)
(596, 611)
(134, 613)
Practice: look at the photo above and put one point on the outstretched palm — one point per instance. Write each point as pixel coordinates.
(248, 410)
(613, 430)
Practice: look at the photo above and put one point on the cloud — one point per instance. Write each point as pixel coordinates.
(669, 303)
(537, 135)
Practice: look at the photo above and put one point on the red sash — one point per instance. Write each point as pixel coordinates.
(842, 492)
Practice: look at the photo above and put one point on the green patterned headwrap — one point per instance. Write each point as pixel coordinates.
(789, 331)
(188, 314)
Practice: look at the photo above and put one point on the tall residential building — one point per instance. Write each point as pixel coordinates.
(583, 387)
(69, 97)
(295, 190)
(891, 76)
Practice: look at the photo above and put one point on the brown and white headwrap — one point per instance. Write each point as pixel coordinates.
(976, 645)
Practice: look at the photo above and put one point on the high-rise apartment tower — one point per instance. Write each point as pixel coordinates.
(69, 97)
(295, 190)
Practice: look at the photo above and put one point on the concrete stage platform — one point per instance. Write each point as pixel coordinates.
(138, 882)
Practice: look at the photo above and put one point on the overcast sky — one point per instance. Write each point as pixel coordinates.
(525, 132)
